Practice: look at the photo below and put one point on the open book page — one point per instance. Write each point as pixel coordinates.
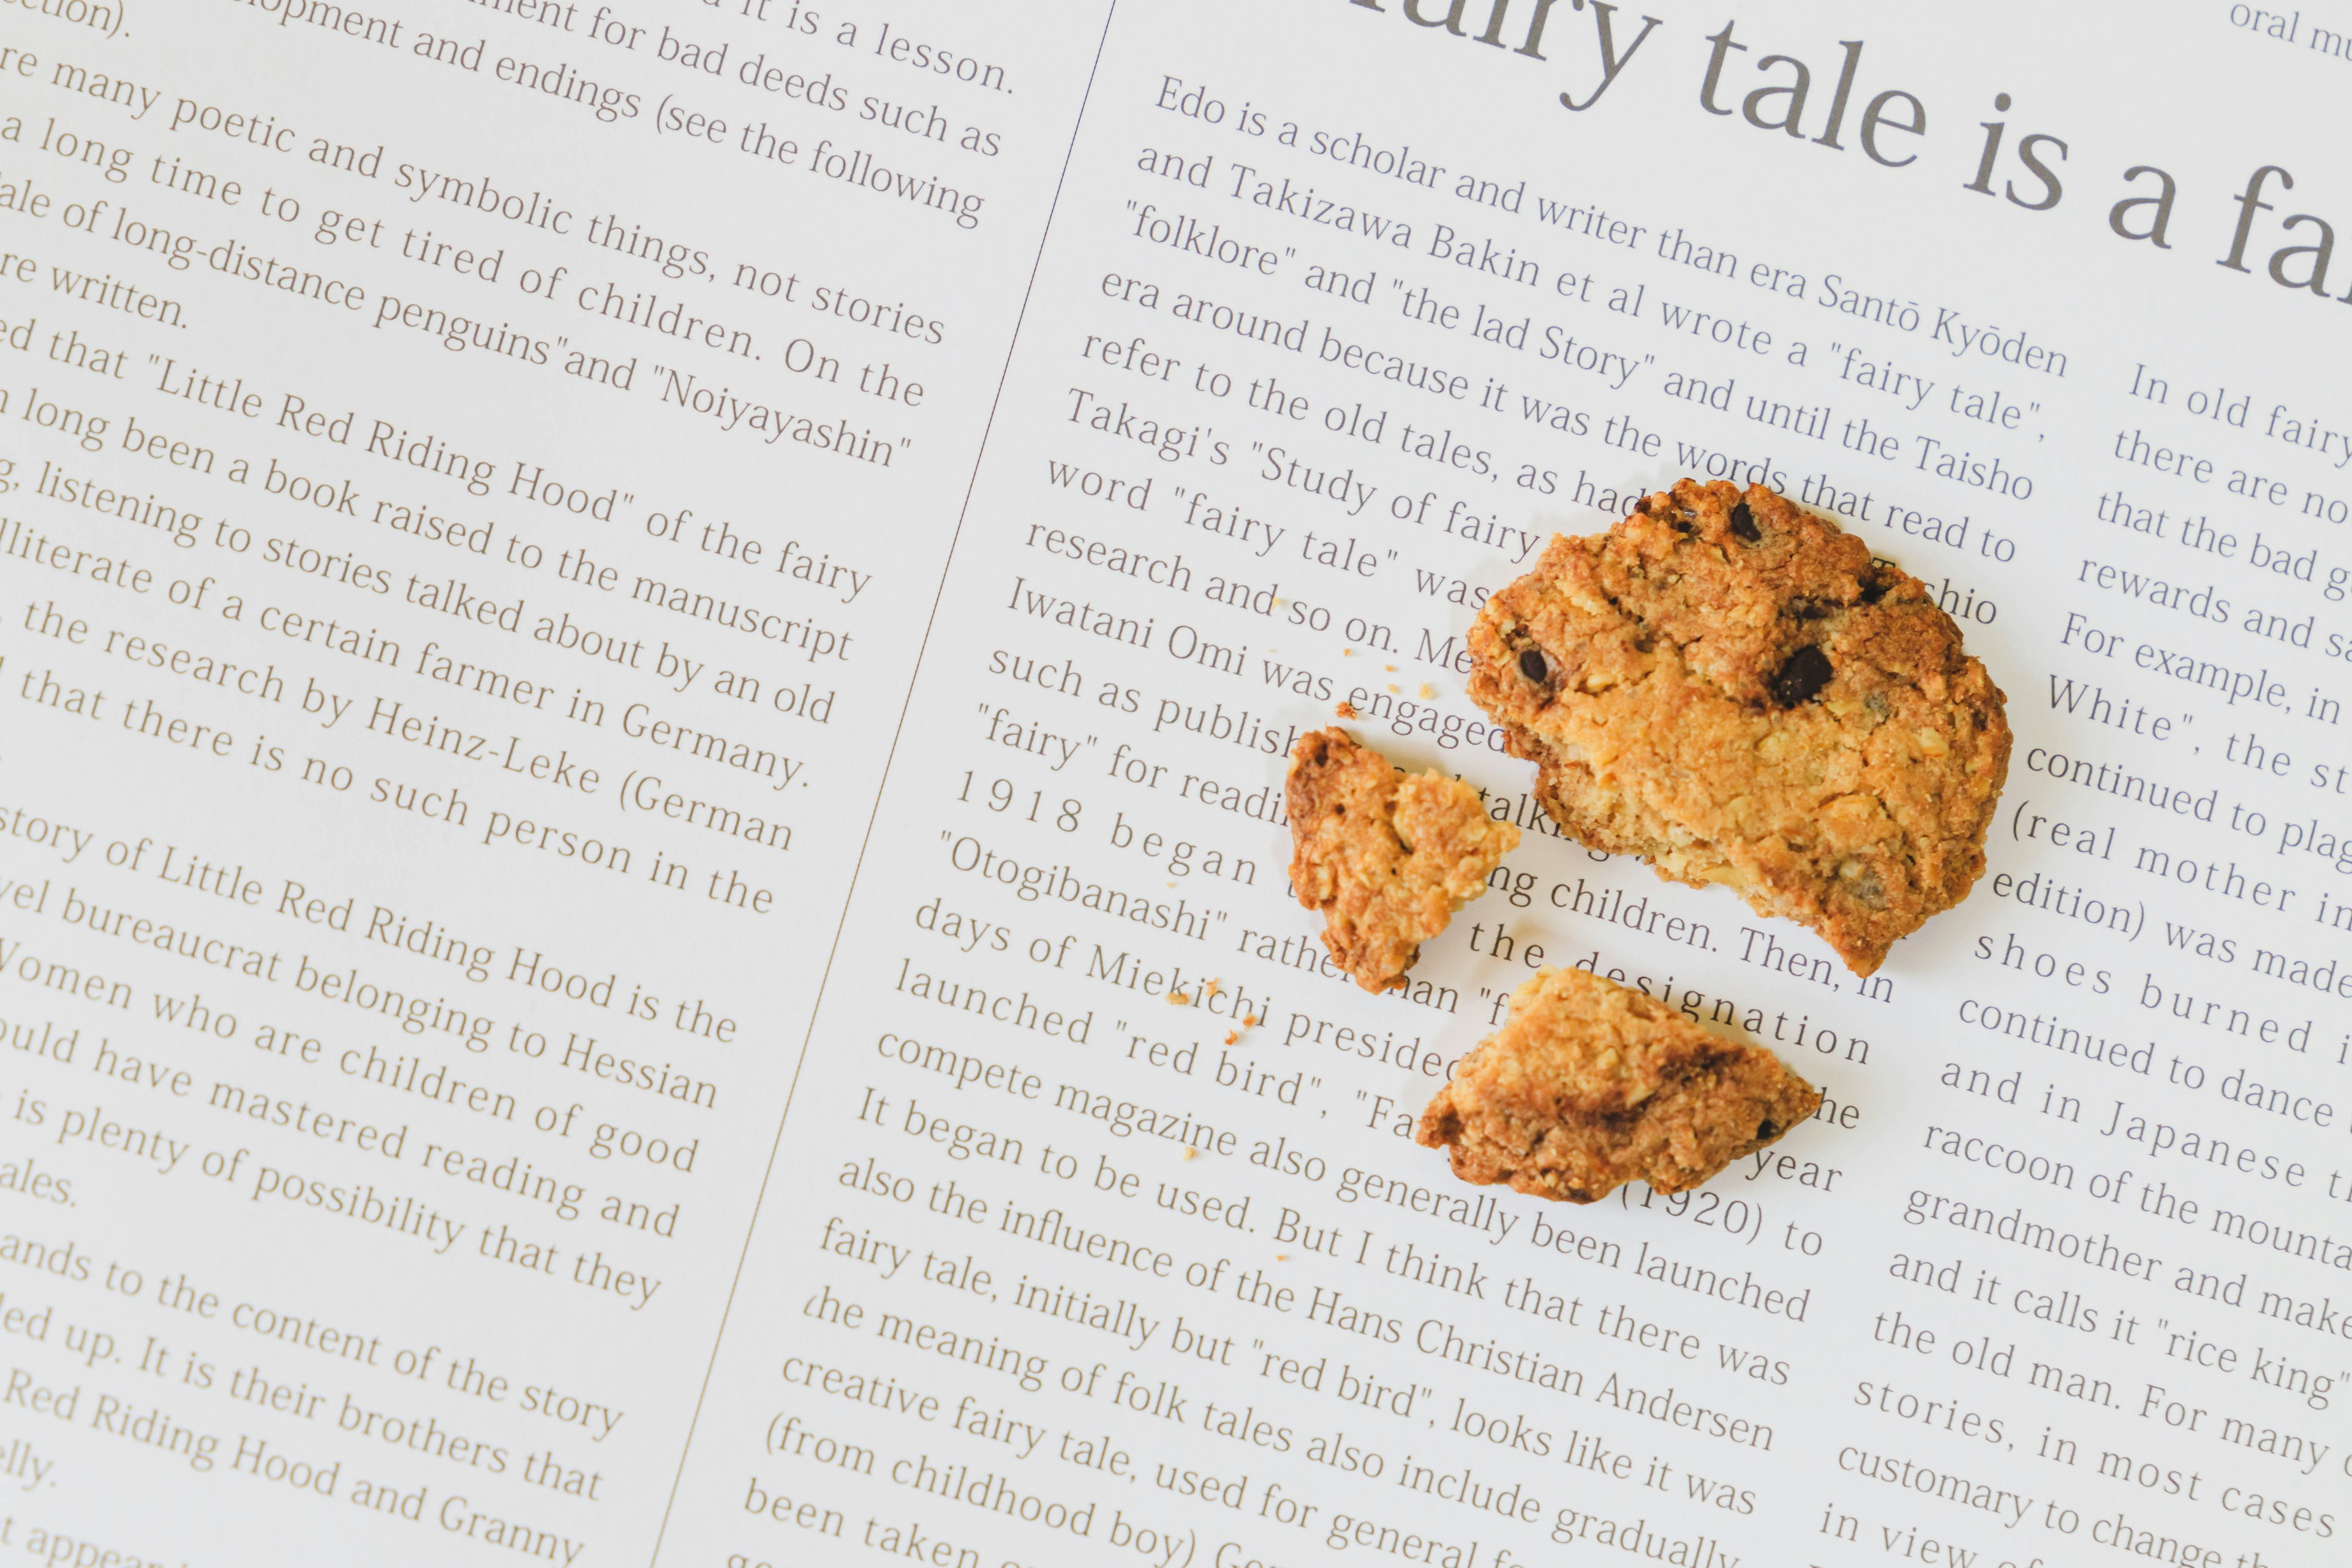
(649, 652)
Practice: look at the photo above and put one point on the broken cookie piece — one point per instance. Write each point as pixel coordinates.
(1588, 1085)
(1387, 856)
(1735, 691)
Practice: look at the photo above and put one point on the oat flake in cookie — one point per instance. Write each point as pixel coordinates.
(1589, 1085)
(1387, 856)
(1734, 690)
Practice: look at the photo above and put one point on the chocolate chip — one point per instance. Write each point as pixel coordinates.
(1802, 678)
(1872, 590)
(1743, 524)
(1532, 665)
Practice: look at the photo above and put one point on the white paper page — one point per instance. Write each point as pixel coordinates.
(884, 1240)
(611, 604)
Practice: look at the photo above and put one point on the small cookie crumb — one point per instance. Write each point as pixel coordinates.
(1214, 988)
(1345, 711)
(1179, 999)
(1190, 1153)
(1427, 691)
(1232, 1035)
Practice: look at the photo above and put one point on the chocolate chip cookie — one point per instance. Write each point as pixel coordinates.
(1588, 1085)
(1387, 856)
(1735, 689)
